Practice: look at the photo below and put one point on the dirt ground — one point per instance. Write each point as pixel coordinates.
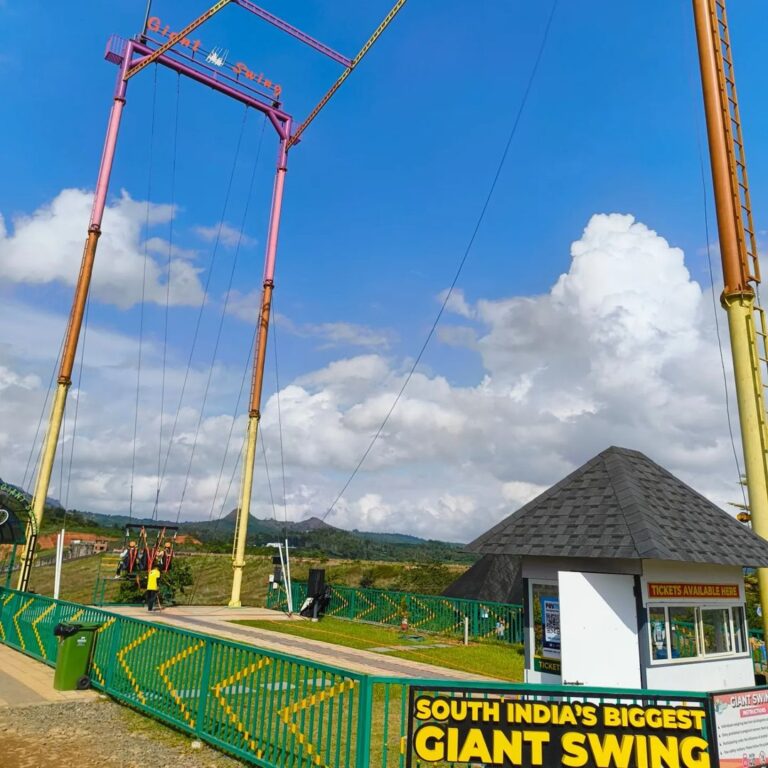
(97, 734)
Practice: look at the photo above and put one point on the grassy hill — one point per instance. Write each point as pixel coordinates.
(212, 575)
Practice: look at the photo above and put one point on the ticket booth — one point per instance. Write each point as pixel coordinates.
(631, 579)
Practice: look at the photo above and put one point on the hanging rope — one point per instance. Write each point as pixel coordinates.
(168, 289)
(223, 314)
(462, 262)
(29, 475)
(279, 420)
(77, 407)
(202, 307)
(143, 290)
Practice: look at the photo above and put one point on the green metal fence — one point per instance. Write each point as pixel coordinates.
(429, 613)
(268, 709)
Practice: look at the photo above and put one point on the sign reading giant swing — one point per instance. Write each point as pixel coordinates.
(492, 727)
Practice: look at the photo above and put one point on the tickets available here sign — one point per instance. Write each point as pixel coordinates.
(488, 727)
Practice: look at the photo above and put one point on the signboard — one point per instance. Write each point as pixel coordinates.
(550, 624)
(667, 591)
(741, 728)
(492, 727)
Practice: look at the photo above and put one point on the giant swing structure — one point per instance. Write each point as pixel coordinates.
(179, 54)
(741, 269)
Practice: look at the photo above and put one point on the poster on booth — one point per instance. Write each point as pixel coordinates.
(741, 728)
(488, 727)
(546, 627)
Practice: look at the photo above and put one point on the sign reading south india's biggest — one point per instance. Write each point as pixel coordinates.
(494, 728)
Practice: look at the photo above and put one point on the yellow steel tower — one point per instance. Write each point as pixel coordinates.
(741, 270)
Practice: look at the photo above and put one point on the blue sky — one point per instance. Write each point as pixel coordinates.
(382, 195)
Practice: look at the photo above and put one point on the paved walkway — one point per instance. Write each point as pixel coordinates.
(24, 682)
(216, 621)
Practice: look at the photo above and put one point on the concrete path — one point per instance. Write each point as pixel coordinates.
(24, 681)
(212, 620)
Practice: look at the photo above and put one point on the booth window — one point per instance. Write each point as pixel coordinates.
(689, 632)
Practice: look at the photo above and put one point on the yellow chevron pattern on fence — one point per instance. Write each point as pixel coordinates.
(371, 606)
(5, 602)
(336, 610)
(310, 701)
(395, 613)
(166, 665)
(121, 654)
(36, 631)
(102, 628)
(16, 621)
(233, 718)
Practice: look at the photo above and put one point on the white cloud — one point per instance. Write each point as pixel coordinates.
(225, 233)
(245, 306)
(457, 303)
(47, 247)
(621, 350)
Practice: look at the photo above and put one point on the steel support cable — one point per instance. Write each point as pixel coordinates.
(30, 466)
(228, 443)
(143, 290)
(279, 418)
(347, 72)
(202, 303)
(244, 378)
(223, 314)
(168, 285)
(77, 406)
(463, 260)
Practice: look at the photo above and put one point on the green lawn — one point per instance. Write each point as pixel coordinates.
(489, 658)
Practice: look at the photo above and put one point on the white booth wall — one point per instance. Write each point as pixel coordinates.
(605, 632)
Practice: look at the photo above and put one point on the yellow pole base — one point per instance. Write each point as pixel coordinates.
(244, 512)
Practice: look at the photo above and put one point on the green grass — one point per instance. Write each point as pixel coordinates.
(488, 658)
(212, 575)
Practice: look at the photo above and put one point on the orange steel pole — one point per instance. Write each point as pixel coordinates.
(257, 381)
(732, 203)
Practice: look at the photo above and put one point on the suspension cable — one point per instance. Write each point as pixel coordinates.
(143, 290)
(202, 305)
(279, 419)
(77, 406)
(449, 292)
(223, 314)
(168, 287)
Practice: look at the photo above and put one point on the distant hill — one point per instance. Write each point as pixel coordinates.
(49, 502)
(312, 536)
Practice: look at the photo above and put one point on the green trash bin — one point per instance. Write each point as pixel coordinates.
(73, 658)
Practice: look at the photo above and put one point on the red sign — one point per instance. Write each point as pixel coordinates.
(665, 591)
(155, 24)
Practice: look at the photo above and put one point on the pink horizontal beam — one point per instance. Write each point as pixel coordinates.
(279, 119)
(294, 32)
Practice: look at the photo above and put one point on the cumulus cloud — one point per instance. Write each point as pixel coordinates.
(225, 233)
(47, 246)
(620, 350)
(245, 306)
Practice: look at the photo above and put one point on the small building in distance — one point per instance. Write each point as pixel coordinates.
(631, 579)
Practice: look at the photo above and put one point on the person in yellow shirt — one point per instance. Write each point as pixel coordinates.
(153, 577)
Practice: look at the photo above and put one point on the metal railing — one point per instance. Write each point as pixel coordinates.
(268, 709)
(427, 613)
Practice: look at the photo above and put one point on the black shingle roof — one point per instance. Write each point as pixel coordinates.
(620, 504)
